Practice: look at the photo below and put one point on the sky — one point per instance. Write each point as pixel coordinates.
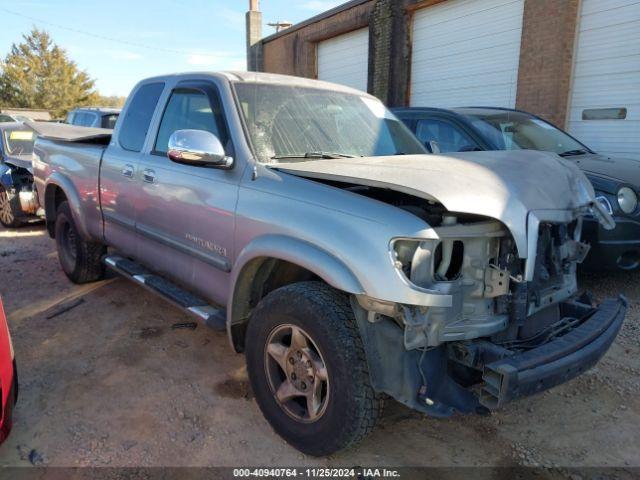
(120, 42)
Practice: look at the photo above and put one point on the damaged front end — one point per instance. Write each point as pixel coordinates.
(18, 186)
(490, 309)
(515, 326)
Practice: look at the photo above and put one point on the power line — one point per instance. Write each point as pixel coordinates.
(101, 37)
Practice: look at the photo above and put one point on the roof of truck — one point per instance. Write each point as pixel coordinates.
(263, 78)
(101, 110)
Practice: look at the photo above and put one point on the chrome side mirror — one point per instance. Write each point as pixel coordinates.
(197, 147)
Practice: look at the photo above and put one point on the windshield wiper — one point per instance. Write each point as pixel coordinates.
(313, 155)
(573, 153)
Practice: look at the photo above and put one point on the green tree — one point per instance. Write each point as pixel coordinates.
(110, 101)
(38, 74)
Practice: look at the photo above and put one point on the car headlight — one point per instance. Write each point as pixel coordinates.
(627, 200)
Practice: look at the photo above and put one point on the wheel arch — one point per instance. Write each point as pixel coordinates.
(58, 190)
(273, 261)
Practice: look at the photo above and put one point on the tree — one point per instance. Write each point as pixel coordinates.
(38, 74)
(110, 101)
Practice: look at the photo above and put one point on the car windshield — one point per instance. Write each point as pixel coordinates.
(288, 123)
(507, 130)
(19, 141)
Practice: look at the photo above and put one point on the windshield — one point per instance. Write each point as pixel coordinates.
(288, 122)
(19, 141)
(519, 131)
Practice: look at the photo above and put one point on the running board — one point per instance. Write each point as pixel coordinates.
(213, 317)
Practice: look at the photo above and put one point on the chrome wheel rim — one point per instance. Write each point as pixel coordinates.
(297, 373)
(6, 215)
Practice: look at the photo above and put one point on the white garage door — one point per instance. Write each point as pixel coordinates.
(466, 52)
(607, 78)
(345, 59)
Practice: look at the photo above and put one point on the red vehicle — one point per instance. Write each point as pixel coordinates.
(8, 377)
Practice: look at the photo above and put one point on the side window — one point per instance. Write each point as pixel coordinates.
(448, 137)
(70, 116)
(109, 121)
(189, 110)
(138, 117)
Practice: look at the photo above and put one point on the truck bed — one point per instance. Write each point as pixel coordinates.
(71, 133)
(73, 164)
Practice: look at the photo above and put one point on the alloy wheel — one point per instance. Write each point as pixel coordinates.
(297, 373)
(6, 214)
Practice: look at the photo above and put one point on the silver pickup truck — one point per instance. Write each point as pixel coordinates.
(345, 263)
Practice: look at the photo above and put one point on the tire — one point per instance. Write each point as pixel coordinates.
(347, 407)
(80, 260)
(8, 216)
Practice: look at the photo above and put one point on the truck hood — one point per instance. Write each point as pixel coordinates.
(504, 185)
(20, 161)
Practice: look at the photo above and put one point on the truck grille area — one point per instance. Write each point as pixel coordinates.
(553, 260)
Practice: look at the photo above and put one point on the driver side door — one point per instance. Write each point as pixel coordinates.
(185, 213)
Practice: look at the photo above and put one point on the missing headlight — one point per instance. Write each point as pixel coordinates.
(448, 259)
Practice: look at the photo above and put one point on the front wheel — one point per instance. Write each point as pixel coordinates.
(8, 216)
(80, 260)
(308, 370)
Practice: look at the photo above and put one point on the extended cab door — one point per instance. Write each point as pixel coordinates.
(118, 174)
(185, 213)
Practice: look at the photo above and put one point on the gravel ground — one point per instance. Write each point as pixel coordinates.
(110, 383)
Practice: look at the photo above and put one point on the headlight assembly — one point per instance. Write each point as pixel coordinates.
(627, 200)
(604, 201)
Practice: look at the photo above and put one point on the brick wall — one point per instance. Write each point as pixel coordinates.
(546, 58)
(294, 53)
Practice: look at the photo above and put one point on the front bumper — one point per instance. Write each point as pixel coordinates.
(557, 361)
(612, 249)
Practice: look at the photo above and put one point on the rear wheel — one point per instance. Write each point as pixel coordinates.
(308, 370)
(80, 260)
(8, 215)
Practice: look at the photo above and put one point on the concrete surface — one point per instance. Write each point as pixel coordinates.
(110, 383)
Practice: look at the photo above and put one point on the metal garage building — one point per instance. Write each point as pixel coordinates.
(607, 76)
(573, 62)
(345, 59)
(466, 53)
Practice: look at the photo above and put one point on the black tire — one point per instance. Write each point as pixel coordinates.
(8, 216)
(80, 260)
(326, 317)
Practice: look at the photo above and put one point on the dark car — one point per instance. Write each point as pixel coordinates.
(96, 117)
(18, 199)
(8, 378)
(616, 180)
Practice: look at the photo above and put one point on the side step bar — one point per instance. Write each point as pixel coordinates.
(213, 317)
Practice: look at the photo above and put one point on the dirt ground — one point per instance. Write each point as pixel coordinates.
(110, 383)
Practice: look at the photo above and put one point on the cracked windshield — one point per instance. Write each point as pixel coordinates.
(291, 123)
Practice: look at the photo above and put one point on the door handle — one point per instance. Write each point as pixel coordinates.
(127, 171)
(149, 175)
